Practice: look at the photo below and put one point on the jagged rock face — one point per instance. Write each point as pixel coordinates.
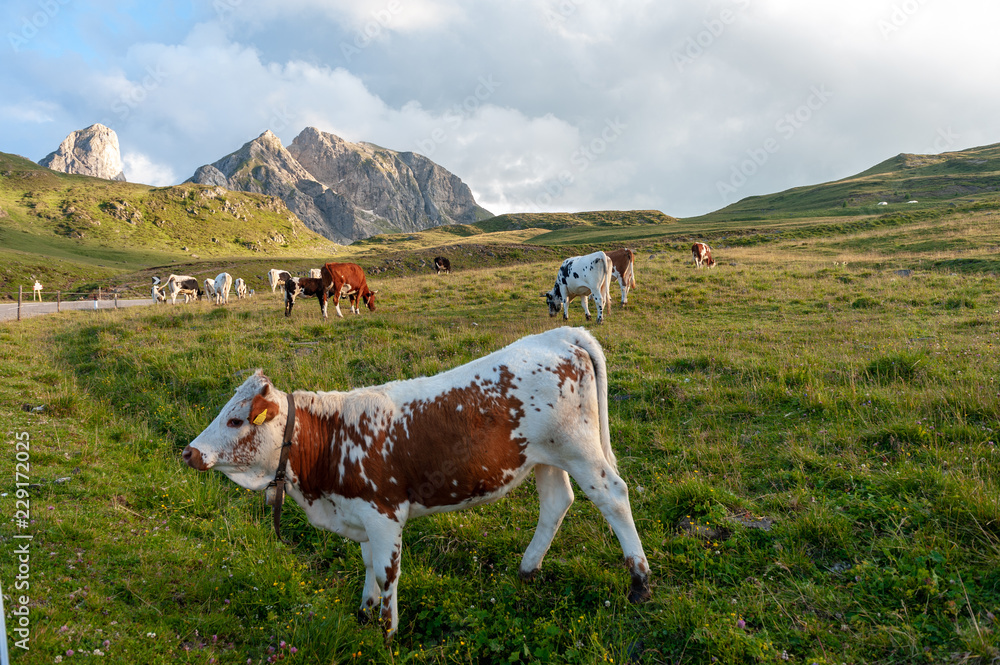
(409, 191)
(346, 191)
(92, 151)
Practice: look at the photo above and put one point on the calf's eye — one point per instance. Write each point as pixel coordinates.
(234, 422)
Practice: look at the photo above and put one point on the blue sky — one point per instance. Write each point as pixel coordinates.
(681, 106)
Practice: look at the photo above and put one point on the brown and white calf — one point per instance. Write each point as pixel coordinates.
(361, 463)
(305, 286)
(702, 255)
(347, 279)
(277, 278)
(579, 277)
(623, 269)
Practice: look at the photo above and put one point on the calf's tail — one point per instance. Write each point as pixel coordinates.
(588, 343)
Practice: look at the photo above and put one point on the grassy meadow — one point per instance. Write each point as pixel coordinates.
(808, 432)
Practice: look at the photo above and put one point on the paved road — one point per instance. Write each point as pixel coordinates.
(8, 311)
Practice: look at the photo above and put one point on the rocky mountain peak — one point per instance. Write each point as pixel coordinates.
(93, 151)
(346, 191)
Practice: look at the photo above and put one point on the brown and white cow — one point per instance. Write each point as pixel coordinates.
(305, 286)
(347, 279)
(702, 255)
(579, 277)
(361, 463)
(623, 269)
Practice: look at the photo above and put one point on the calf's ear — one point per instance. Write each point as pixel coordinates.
(263, 409)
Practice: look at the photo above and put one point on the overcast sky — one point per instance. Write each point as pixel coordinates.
(682, 106)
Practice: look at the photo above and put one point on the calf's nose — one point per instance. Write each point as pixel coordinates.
(193, 458)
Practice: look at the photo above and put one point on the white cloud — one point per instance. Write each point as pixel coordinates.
(141, 169)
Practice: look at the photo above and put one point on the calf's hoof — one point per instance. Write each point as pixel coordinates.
(639, 592)
(527, 575)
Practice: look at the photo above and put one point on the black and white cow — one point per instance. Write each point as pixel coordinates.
(182, 285)
(305, 286)
(579, 277)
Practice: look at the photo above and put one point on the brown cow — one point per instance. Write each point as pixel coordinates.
(348, 279)
(623, 269)
(702, 255)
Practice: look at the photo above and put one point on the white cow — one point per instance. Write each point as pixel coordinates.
(277, 278)
(241, 288)
(209, 287)
(223, 285)
(361, 463)
(579, 277)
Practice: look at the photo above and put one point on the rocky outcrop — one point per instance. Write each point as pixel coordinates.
(346, 191)
(92, 151)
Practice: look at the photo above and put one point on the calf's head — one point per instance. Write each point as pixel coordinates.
(244, 440)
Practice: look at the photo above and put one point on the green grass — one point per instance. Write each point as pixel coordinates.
(803, 381)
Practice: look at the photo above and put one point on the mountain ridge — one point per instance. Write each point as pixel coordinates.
(346, 191)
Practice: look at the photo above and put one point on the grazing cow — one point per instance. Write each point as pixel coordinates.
(241, 288)
(209, 287)
(158, 295)
(347, 279)
(36, 291)
(361, 463)
(441, 264)
(305, 286)
(277, 277)
(182, 285)
(223, 285)
(316, 273)
(581, 276)
(702, 255)
(623, 269)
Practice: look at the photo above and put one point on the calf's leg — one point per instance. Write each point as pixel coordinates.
(555, 496)
(608, 492)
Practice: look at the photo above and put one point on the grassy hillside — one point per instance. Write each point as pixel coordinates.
(97, 228)
(934, 181)
(808, 431)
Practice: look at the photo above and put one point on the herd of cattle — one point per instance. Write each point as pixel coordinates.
(361, 463)
(581, 277)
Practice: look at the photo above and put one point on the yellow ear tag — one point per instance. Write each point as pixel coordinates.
(260, 419)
